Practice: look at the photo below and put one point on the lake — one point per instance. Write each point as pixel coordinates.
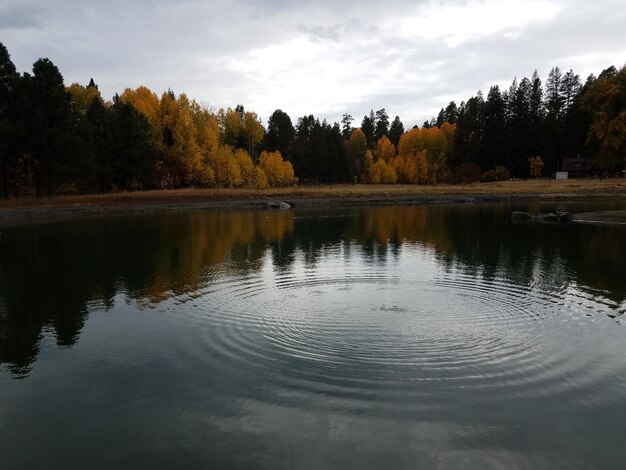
(438, 336)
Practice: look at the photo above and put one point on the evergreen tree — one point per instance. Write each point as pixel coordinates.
(451, 113)
(8, 82)
(280, 133)
(368, 127)
(346, 126)
(554, 105)
(301, 150)
(519, 139)
(577, 120)
(100, 143)
(474, 122)
(396, 130)
(536, 116)
(441, 118)
(382, 124)
(494, 140)
(50, 126)
(132, 156)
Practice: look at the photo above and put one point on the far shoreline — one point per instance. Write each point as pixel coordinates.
(26, 210)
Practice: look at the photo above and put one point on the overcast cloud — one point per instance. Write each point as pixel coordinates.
(323, 58)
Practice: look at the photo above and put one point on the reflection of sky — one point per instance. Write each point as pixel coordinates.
(242, 373)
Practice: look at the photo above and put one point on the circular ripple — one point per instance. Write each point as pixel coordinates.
(359, 336)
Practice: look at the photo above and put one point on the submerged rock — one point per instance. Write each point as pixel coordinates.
(520, 215)
(278, 205)
(553, 217)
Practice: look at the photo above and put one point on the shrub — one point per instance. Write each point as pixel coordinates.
(500, 173)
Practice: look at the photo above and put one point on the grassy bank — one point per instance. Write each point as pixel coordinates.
(31, 208)
(502, 189)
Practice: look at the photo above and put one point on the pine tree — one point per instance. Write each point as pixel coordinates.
(396, 130)
(382, 124)
(368, 127)
(280, 133)
(8, 82)
(494, 139)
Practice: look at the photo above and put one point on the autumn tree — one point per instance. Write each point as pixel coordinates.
(382, 173)
(230, 126)
(277, 171)
(251, 134)
(411, 164)
(82, 96)
(246, 168)
(385, 150)
(227, 173)
(606, 100)
(356, 148)
(147, 103)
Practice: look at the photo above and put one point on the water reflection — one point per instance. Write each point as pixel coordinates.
(53, 275)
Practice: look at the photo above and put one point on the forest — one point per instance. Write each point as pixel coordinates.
(58, 139)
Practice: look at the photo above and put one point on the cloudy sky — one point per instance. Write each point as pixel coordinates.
(325, 57)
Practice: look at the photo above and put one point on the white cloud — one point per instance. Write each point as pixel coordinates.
(456, 24)
(324, 58)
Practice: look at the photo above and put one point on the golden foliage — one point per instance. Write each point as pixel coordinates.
(411, 168)
(422, 155)
(146, 102)
(606, 100)
(277, 171)
(411, 142)
(82, 96)
(381, 173)
(357, 146)
(227, 172)
(385, 150)
(260, 180)
(246, 168)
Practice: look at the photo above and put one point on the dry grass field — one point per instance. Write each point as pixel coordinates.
(17, 211)
(335, 193)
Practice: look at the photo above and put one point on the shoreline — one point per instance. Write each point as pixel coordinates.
(61, 207)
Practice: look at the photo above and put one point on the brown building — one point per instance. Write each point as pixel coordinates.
(577, 167)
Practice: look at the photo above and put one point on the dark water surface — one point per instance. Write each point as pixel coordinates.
(384, 337)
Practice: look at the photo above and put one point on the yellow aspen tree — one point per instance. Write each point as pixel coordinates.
(82, 96)
(357, 146)
(246, 168)
(385, 149)
(277, 171)
(147, 103)
(252, 132)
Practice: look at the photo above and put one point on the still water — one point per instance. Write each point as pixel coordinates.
(384, 337)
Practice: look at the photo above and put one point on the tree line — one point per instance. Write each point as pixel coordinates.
(564, 118)
(58, 139)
